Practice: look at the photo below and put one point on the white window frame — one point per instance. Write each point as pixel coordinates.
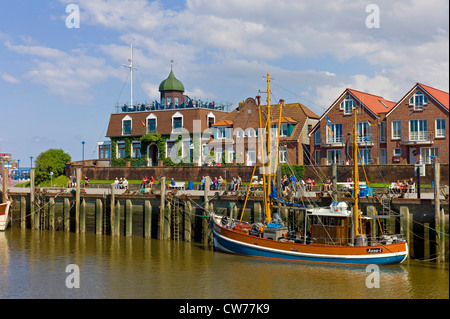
(176, 115)
(334, 156)
(442, 131)
(397, 151)
(119, 143)
(418, 100)
(383, 136)
(127, 118)
(210, 115)
(132, 149)
(393, 126)
(422, 130)
(426, 152)
(317, 137)
(348, 104)
(151, 117)
(283, 154)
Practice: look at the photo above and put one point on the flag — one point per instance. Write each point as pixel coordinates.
(330, 131)
(328, 119)
(143, 124)
(370, 123)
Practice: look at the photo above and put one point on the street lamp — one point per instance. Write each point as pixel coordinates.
(31, 162)
(82, 143)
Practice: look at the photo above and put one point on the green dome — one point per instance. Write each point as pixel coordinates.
(171, 84)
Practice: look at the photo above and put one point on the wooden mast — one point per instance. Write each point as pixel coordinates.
(267, 173)
(356, 177)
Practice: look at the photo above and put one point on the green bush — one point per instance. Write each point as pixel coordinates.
(53, 160)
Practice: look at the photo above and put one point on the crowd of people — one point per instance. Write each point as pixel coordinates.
(405, 186)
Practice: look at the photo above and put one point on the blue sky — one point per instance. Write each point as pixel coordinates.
(59, 85)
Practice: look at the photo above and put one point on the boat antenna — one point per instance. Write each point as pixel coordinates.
(130, 60)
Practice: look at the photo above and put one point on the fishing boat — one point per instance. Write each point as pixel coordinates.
(5, 215)
(333, 234)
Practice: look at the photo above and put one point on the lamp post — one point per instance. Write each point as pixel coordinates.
(31, 162)
(82, 143)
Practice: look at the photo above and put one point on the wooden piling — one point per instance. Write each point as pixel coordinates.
(51, 213)
(5, 184)
(438, 222)
(98, 216)
(77, 200)
(162, 184)
(82, 216)
(406, 222)
(129, 218)
(426, 241)
(167, 221)
(32, 200)
(257, 212)
(116, 224)
(66, 214)
(187, 227)
(147, 219)
(112, 209)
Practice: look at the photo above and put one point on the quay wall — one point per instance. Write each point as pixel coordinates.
(374, 173)
(181, 217)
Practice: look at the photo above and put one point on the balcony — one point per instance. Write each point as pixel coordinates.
(418, 138)
(333, 141)
(188, 104)
(366, 140)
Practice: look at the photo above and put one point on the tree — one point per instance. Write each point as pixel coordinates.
(53, 160)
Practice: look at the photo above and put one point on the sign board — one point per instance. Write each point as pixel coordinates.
(421, 168)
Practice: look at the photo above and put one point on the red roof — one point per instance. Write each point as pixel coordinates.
(440, 96)
(285, 119)
(377, 104)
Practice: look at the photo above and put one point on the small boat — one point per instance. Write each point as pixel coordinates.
(5, 215)
(333, 234)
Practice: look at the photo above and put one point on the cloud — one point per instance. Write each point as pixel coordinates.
(69, 75)
(9, 78)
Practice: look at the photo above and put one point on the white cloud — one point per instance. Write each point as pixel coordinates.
(9, 78)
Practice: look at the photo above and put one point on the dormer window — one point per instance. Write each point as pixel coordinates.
(151, 124)
(126, 125)
(418, 100)
(348, 105)
(211, 119)
(177, 122)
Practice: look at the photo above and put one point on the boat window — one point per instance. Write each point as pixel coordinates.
(325, 220)
(315, 220)
(332, 221)
(340, 222)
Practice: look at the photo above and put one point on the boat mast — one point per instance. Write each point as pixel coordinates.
(356, 177)
(267, 176)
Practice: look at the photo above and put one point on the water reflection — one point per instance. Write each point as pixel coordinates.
(33, 264)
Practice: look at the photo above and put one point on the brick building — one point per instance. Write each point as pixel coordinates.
(236, 135)
(417, 127)
(141, 134)
(331, 140)
(411, 131)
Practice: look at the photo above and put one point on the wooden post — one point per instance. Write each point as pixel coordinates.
(66, 213)
(162, 184)
(77, 200)
(32, 200)
(5, 184)
(98, 216)
(112, 205)
(257, 212)
(187, 221)
(23, 212)
(206, 190)
(167, 221)
(147, 219)
(129, 218)
(205, 225)
(372, 211)
(83, 216)
(116, 225)
(406, 222)
(334, 182)
(426, 241)
(51, 213)
(440, 239)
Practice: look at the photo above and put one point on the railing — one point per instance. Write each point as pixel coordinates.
(332, 140)
(154, 106)
(365, 139)
(425, 137)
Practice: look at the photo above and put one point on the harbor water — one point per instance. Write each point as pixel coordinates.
(45, 264)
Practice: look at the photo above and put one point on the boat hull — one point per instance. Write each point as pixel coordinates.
(231, 241)
(5, 215)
